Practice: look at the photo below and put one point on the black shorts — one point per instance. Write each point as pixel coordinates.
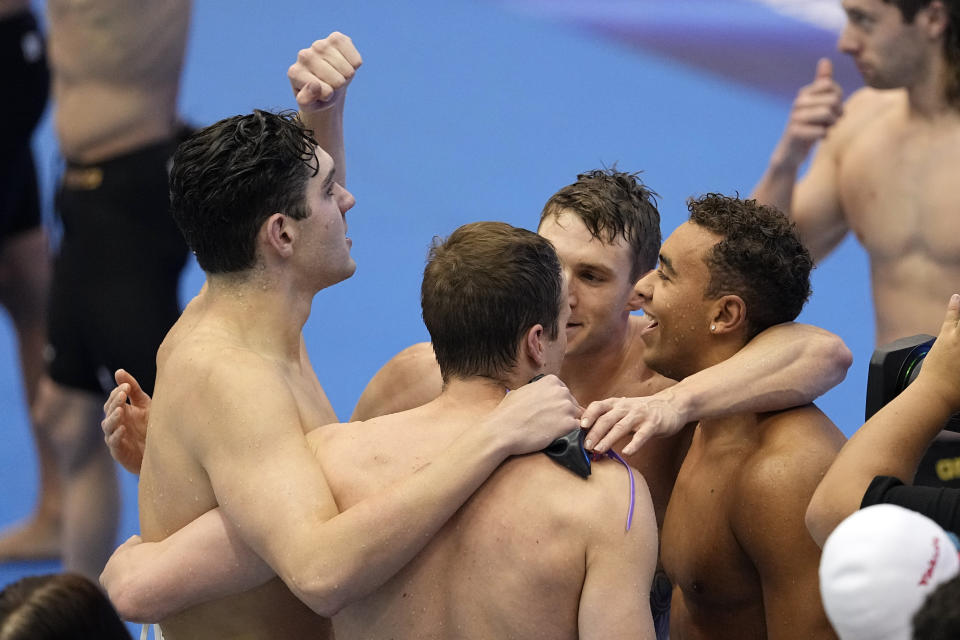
(114, 292)
(24, 74)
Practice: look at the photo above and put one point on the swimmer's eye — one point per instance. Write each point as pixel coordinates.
(662, 275)
(859, 19)
(590, 277)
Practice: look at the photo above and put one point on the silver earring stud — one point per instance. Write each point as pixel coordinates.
(713, 327)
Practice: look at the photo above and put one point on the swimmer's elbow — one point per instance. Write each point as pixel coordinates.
(325, 594)
(825, 359)
(821, 517)
(839, 357)
(133, 603)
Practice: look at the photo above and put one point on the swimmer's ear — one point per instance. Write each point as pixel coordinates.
(728, 315)
(278, 233)
(934, 19)
(532, 348)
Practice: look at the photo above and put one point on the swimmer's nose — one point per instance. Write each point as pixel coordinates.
(346, 201)
(643, 286)
(847, 43)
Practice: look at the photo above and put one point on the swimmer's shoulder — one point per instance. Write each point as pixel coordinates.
(360, 438)
(795, 427)
(408, 380)
(796, 446)
(205, 360)
(604, 494)
(864, 110)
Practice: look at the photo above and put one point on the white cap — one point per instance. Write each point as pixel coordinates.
(877, 568)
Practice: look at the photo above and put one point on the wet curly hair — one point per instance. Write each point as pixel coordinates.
(759, 258)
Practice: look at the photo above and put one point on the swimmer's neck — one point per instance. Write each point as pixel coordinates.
(269, 315)
(475, 393)
(927, 99)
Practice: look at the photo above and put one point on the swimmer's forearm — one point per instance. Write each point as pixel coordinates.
(775, 187)
(327, 127)
(319, 79)
(204, 561)
(785, 366)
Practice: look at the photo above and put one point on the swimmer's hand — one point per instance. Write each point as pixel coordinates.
(320, 76)
(941, 367)
(615, 418)
(125, 423)
(531, 417)
(816, 108)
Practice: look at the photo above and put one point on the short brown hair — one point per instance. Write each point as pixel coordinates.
(613, 204)
(483, 288)
(63, 606)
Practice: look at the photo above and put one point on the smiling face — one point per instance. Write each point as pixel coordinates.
(889, 52)
(326, 247)
(601, 292)
(673, 298)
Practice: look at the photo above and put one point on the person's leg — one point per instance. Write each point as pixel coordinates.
(24, 282)
(25, 260)
(91, 499)
(70, 400)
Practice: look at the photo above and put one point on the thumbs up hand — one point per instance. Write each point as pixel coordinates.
(816, 108)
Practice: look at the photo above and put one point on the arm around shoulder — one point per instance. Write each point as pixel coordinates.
(329, 559)
(785, 366)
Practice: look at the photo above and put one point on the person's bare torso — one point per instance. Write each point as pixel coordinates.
(116, 73)
(897, 179)
(174, 488)
(718, 592)
(510, 563)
